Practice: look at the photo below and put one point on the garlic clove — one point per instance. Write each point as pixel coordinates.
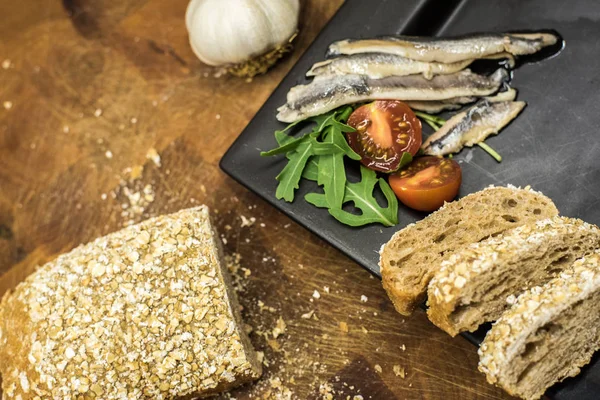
(226, 32)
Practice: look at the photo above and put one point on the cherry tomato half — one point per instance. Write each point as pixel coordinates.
(427, 182)
(385, 129)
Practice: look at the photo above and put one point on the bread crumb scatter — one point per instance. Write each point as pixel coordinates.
(134, 120)
(134, 196)
(364, 298)
(153, 156)
(344, 327)
(98, 113)
(6, 64)
(7, 105)
(316, 294)
(247, 221)
(108, 154)
(399, 371)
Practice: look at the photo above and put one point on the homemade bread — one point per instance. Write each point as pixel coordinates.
(414, 254)
(146, 312)
(473, 285)
(548, 334)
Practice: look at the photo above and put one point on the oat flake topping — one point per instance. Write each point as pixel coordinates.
(141, 313)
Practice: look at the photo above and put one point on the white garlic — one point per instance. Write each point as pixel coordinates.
(224, 32)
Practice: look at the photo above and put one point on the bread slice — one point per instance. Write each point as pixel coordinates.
(473, 285)
(548, 334)
(145, 312)
(414, 254)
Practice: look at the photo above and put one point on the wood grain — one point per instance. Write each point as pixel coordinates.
(131, 60)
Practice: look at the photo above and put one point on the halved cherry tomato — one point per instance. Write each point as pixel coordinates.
(427, 182)
(385, 129)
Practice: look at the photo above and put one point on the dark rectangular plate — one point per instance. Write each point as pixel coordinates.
(553, 145)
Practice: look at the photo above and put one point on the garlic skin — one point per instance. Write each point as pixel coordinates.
(226, 32)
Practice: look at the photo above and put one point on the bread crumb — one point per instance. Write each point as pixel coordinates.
(134, 120)
(218, 116)
(378, 368)
(364, 330)
(98, 112)
(364, 298)
(247, 221)
(344, 327)
(279, 328)
(108, 154)
(153, 155)
(399, 371)
(358, 397)
(308, 315)
(326, 289)
(6, 64)
(66, 129)
(403, 347)
(8, 105)
(103, 196)
(316, 294)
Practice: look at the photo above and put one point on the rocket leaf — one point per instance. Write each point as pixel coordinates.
(361, 194)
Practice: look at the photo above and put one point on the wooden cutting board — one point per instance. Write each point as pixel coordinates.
(90, 88)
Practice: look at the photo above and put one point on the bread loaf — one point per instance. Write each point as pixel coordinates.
(146, 312)
(548, 334)
(414, 254)
(473, 285)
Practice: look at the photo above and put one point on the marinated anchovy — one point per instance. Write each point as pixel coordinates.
(381, 65)
(328, 92)
(435, 107)
(447, 50)
(472, 126)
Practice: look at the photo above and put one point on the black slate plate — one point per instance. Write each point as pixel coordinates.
(553, 145)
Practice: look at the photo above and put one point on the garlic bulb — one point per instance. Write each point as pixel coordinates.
(247, 34)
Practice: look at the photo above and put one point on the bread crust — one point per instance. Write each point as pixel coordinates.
(411, 257)
(506, 344)
(546, 245)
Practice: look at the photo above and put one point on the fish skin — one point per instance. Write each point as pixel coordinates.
(447, 50)
(381, 65)
(327, 92)
(435, 107)
(471, 126)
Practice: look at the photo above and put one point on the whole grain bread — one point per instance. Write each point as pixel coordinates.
(145, 312)
(414, 254)
(476, 284)
(548, 334)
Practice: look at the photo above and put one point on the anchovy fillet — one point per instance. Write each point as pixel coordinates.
(381, 65)
(472, 126)
(447, 50)
(328, 92)
(435, 107)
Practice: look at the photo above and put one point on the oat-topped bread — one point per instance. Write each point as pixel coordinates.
(474, 284)
(548, 334)
(146, 312)
(414, 254)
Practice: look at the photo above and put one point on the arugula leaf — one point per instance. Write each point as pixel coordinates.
(290, 175)
(311, 171)
(361, 194)
(332, 174)
(287, 144)
(319, 156)
(405, 160)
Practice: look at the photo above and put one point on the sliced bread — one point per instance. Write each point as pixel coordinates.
(473, 285)
(548, 334)
(414, 254)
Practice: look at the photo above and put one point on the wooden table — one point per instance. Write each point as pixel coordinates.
(89, 87)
